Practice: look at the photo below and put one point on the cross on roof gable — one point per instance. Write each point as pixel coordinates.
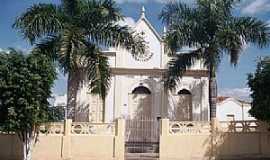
(143, 18)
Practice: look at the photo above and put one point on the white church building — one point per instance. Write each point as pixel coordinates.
(137, 86)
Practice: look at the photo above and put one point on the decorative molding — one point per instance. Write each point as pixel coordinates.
(189, 127)
(92, 128)
(155, 72)
(143, 57)
(240, 126)
(52, 128)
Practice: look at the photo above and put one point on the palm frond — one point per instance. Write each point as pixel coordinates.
(212, 57)
(68, 55)
(48, 46)
(70, 7)
(231, 42)
(251, 30)
(179, 64)
(180, 36)
(233, 35)
(175, 12)
(96, 66)
(100, 85)
(185, 27)
(217, 8)
(111, 34)
(99, 11)
(38, 21)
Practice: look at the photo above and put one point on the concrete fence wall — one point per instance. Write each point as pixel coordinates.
(178, 141)
(194, 140)
(78, 141)
(10, 147)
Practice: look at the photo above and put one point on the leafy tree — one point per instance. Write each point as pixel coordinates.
(72, 33)
(25, 86)
(259, 83)
(56, 113)
(211, 28)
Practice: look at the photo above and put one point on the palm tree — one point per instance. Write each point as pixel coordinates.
(211, 28)
(72, 34)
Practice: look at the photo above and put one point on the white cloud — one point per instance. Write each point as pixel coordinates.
(268, 22)
(256, 6)
(240, 93)
(127, 21)
(59, 100)
(5, 50)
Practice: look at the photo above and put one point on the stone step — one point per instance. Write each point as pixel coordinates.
(141, 156)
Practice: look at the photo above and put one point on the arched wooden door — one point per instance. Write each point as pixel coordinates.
(141, 126)
(183, 108)
(140, 103)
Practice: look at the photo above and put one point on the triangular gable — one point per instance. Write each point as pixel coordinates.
(143, 18)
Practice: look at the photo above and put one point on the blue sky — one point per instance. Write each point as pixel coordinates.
(231, 81)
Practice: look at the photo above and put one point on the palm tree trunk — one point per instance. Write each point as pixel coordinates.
(213, 105)
(72, 89)
(103, 110)
(212, 92)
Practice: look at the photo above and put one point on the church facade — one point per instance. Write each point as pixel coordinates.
(137, 86)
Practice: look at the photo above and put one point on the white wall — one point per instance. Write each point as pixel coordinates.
(231, 106)
(124, 87)
(124, 59)
(199, 90)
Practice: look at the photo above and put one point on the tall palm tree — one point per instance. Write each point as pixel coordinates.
(72, 34)
(211, 28)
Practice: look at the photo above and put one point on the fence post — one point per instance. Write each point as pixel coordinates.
(264, 139)
(119, 148)
(67, 126)
(66, 140)
(215, 129)
(120, 127)
(164, 128)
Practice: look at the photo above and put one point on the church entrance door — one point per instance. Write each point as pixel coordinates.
(142, 128)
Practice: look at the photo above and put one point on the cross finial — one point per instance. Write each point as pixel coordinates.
(143, 12)
(164, 29)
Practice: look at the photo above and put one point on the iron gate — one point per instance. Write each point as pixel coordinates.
(142, 135)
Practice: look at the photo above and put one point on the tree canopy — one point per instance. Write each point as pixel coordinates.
(259, 83)
(56, 113)
(25, 86)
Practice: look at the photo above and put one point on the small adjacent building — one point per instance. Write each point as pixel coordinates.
(229, 108)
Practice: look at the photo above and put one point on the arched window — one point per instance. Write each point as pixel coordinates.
(184, 92)
(183, 110)
(141, 90)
